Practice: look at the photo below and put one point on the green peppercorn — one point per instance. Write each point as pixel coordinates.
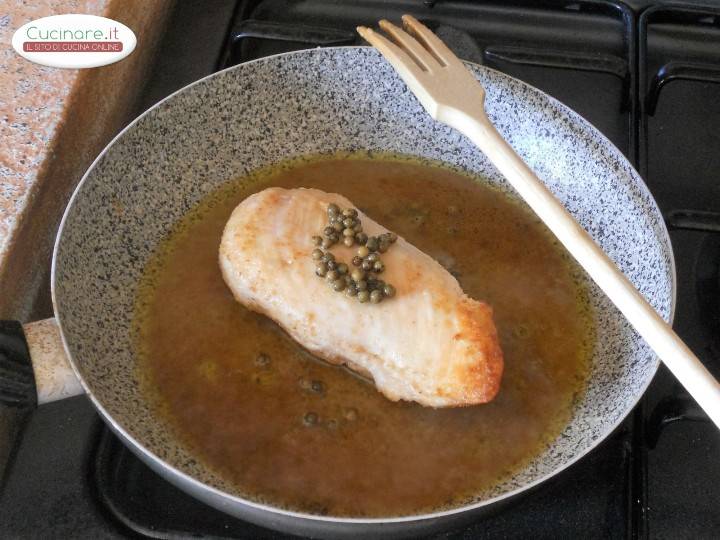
(310, 419)
(345, 225)
(338, 285)
(262, 360)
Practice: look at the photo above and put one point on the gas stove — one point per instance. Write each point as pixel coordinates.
(648, 77)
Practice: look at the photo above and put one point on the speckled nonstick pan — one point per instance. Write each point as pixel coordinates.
(322, 101)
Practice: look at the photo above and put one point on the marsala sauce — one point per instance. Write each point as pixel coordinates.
(247, 418)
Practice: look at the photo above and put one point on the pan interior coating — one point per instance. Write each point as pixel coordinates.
(291, 430)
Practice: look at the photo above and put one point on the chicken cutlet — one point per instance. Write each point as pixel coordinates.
(430, 343)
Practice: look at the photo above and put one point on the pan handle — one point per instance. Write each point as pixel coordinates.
(33, 370)
(18, 396)
(54, 377)
(36, 347)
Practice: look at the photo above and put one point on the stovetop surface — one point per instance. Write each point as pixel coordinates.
(648, 78)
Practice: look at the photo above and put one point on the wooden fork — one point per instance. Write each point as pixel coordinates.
(451, 95)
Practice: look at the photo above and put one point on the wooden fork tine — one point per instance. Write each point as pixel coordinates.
(410, 45)
(433, 43)
(405, 66)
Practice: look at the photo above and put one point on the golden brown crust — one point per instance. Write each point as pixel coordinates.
(482, 376)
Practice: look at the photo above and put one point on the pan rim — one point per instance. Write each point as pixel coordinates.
(145, 453)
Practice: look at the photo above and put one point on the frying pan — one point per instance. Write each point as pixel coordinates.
(312, 102)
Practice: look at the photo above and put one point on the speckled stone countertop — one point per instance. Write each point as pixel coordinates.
(53, 122)
(32, 99)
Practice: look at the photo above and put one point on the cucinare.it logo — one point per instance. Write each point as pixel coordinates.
(74, 41)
